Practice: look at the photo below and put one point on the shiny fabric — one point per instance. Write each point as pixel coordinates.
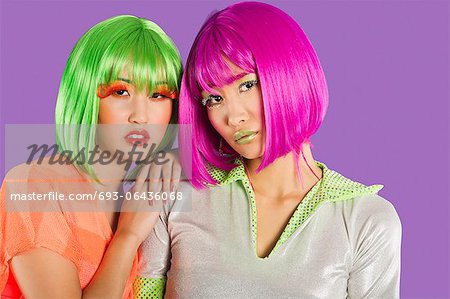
(346, 245)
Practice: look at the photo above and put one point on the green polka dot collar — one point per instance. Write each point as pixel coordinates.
(334, 185)
(331, 187)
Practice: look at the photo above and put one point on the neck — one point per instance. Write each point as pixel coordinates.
(280, 179)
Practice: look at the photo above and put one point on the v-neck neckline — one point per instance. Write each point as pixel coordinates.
(332, 187)
(290, 227)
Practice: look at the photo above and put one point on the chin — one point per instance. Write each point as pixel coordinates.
(249, 151)
(250, 155)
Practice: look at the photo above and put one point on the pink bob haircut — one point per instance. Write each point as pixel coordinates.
(261, 39)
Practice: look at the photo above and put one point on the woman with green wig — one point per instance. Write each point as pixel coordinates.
(118, 92)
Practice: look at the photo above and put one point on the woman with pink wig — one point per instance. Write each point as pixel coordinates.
(266, 219)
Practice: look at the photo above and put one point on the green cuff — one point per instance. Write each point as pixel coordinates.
(149, 288)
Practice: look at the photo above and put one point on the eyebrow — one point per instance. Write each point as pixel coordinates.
(229, 80)
(235, 77)
(124, 80)
(129, 81)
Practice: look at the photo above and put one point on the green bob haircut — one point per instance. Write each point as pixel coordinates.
(120, 43)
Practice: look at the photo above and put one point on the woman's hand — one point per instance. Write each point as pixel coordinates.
(152, 188)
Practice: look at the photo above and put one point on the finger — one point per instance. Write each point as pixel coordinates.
(140, 192)
(155, 178)
(158, 195)
(166, 179)
(155, 203)
(154, 184)
(141, 178)
(176, 176)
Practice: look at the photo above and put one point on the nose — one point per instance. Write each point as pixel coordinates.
(237, 114)
(138, 110)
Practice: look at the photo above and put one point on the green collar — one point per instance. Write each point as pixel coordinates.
(333, 186)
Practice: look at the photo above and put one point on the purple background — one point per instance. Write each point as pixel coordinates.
(387, 66)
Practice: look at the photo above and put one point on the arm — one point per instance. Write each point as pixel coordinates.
(43, 273)
(45, 268)
(155, 254)
(154, 261)
(375, 271)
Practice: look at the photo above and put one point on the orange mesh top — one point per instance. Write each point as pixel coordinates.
(81, 237)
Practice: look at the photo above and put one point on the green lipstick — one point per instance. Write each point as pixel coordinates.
(244, 137)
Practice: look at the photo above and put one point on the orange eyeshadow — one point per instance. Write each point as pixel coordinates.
(165, 91)
(105, 90)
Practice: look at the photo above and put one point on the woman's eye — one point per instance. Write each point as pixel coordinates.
(247, 85)
(212, 101)
(122, 92)
(159, 96)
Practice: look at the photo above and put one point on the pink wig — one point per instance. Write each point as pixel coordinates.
(261, 39)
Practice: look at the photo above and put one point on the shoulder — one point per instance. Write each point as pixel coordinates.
(18, 172)
(373, 206)
(32, 186)
(374, 215)
(359, 202)
(18, 178)
(181, 200)
(44, 168)
(187, 189)
(189, 198)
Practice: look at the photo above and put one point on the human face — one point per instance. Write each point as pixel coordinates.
(236, 113)
(128, 116)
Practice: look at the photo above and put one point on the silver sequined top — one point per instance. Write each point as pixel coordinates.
(343, 241)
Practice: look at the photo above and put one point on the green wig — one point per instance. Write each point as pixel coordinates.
(120, 43)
